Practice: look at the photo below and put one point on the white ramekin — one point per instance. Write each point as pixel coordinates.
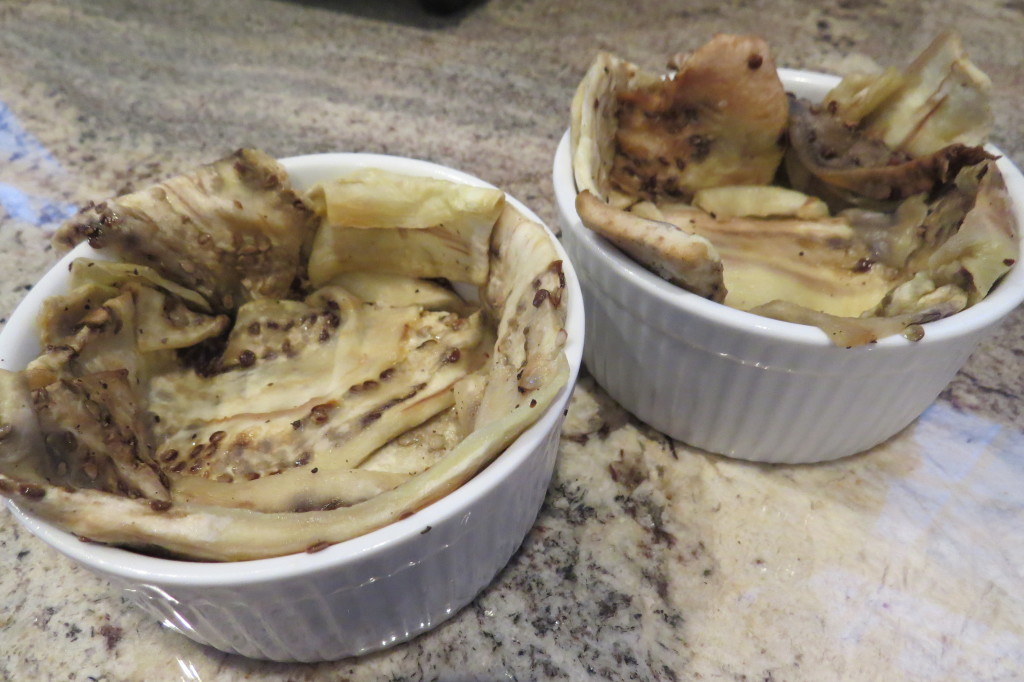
(746, 386)
(354, 597)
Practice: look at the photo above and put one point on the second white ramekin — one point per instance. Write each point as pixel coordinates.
(738, 384)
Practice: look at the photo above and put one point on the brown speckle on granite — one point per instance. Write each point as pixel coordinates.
(650, 560)
(111, 634)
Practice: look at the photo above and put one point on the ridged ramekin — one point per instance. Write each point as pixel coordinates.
(737, 384)
(357, 596)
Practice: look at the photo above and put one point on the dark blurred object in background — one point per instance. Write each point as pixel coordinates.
(445, 6)
(428, 14)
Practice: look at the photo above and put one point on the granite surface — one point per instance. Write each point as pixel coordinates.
(649, 560)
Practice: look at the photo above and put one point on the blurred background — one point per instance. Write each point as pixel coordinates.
(119, 92)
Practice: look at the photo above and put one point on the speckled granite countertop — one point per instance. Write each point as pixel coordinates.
(649, 560)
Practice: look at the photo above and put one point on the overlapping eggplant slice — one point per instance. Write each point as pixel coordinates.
(97, 435)
(718, 119)
(104, 342)
(160, 416)
(232, 231)
(821, 263)
(385, 222)
(666, 248)
(892, 213)
(847, 167)
(940, 99)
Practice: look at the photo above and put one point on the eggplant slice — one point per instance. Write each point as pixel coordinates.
(719, 119)
(940, 99)
(679, 256)
(848, 168)
(232, 231)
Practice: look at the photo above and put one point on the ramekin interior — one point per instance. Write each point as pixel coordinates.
(1006, 296)
(17, 349)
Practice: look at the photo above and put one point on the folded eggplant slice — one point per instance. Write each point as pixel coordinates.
(386, 222)
(968, 237)
(400, 290)
(720, 119)
(885, 137)
(23, 455)
(849, 168)
(198, 531)
(820, 263)
(942, 99)
(97, 435)
(847, 332)
(759, 201)
(682, 257)
(595, 111)
(131, 326)
(232, 231)
(119, 275)
(321, 406)
(526, 295)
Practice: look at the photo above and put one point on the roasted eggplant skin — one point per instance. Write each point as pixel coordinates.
(233, 230)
